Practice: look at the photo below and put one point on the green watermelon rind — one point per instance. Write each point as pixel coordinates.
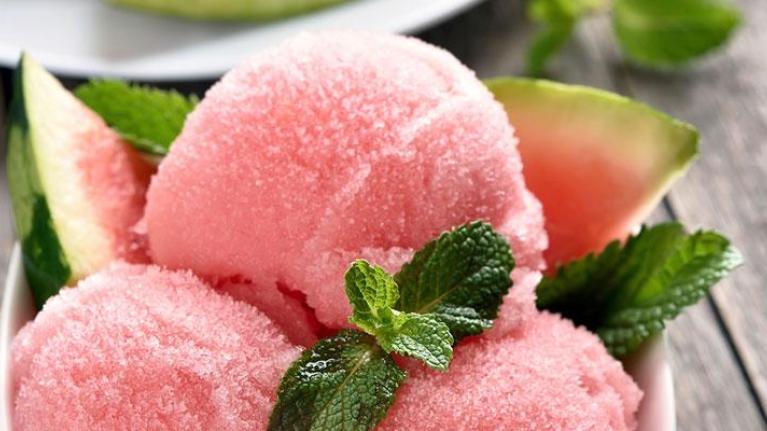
(45, 262)
(227, 10)
(676, 140)
(58, 212)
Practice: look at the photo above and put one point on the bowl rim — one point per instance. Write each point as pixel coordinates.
(649, 366)
(213, 56)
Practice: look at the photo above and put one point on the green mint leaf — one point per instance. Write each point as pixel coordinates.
(552, 11)
(668, 33)
(421, 336)
(345, 382)
(548, 41)
(556, 19)
(148, 118)
(372, 293)
(461, 277)
(625, 293)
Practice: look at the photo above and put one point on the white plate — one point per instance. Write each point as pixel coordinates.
(649, 366)
(87, 38)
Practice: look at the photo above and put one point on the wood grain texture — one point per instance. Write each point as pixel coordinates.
(726, 96)
(718, 354)
(713, 391)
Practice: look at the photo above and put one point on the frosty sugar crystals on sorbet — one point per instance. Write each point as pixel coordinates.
(335, 146)
(547, 375)
(138, 347)
(286, 310)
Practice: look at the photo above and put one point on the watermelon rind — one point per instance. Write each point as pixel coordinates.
(227, 10)
(598, 161)
(61, 237)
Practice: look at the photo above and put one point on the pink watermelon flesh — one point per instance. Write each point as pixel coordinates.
(331, 147)
(116, 180)
(77, 188)
(598, 162)
(140, 347)
(594, 204)
(546, 375)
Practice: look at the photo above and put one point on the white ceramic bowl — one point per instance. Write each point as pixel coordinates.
(90, 38)
(649, 366)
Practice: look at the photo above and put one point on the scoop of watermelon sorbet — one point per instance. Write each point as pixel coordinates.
(544, 375)
(138, 347)
(287, 309)
(334, 146)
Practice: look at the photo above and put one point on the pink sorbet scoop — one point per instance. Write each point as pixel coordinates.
(335, 146)
(545, 375)
(141, 348)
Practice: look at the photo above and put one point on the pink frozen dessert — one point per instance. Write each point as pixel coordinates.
(545, 375)
(287, 309)
(337, 146)
(331, 147)
(140, 348)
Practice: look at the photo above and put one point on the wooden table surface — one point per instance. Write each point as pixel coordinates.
(719, 347)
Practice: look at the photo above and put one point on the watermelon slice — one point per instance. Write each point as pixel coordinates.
(227, 10)
(598, 162)
(76, 188)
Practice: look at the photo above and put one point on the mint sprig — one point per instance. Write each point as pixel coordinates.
(373, 293)
(626, 293)
(652, 33)
(461, 277)
(556, 20)
(668, 33)
(149, 118)
(345, 382)
(420, 336)
(348, 381)
(546, 43)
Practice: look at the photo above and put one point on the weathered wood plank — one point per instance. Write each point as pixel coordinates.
(720, 95)
(726, 97)
(712, 391)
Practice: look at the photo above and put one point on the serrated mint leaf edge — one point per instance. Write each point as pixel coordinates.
(290, 386)
(619, 333)
(370, 288)
(372, 292)
(412, 273)
(421, 336)
(625, 329)
(93, 94)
